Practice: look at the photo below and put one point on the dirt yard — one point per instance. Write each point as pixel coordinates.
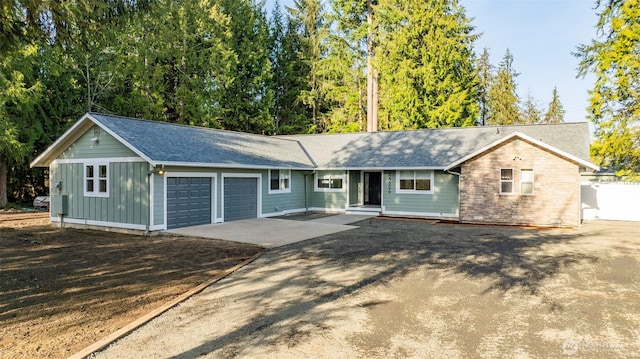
(417, 289)
(63, 289)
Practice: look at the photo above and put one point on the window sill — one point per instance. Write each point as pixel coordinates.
(279, 191)
(99, 195)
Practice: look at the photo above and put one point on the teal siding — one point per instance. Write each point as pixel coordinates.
(278, 202)
(330, 199)
(444, 200)
(128, 193)
(106, 147)
(355, 187)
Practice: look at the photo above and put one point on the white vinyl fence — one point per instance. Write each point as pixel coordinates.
(611, 201)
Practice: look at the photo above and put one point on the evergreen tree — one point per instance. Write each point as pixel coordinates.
(309, 17)
(174, 64)
(484, 68)
(20, 92)
(343, 68)
(247, 96)
(531, 113)
(503, 99)
(44, 21)
(426, 65)
(555, 111)
(615, 98)
(290, 76)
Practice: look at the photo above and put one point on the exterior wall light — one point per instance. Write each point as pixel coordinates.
(158, 171)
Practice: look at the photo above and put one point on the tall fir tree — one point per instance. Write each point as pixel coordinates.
(309, 18)
(615, 98)
(531, 113)
(290, 75)
(503, 99)
(20, 92)
(247, 97)
(426, 65)
(555, 110)
(484, 69)
(343, 69)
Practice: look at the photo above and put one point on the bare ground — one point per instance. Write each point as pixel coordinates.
(63, 289)
(417, 289)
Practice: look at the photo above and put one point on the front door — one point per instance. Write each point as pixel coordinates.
(372, 188)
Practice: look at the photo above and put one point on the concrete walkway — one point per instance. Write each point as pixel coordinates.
(271, 232)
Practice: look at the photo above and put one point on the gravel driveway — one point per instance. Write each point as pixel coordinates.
(402, 288)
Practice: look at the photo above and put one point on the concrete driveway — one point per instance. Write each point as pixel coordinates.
(272, 232)
(416, 289)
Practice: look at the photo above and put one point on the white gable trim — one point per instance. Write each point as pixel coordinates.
(127, 144)
(73, 134)
(529, 139)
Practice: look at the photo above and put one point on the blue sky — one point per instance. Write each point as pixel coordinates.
(541, 34)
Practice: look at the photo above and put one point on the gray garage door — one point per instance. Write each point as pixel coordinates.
(240, 198)
(188, 201)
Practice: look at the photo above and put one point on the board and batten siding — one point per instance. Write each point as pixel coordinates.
(106, 146)
(443, 202)
(278, 203)
(128, 198)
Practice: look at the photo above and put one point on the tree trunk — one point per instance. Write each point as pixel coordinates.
(3, 181)
(372, 81)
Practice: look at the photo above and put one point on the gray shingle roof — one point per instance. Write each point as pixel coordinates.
(432, 148)
(163, 142)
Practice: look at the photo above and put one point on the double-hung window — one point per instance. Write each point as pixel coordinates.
(506, 180)
(526, 181)
(279, 181)
(414, 181)
(329, 183)
(96, 179)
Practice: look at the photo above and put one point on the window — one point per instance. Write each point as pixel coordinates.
(526, 181)
(506, 180)
(96, 180)
(279, 181)
(414, 181)
(329, 183)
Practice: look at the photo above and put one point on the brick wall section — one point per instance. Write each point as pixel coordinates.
(556, 197)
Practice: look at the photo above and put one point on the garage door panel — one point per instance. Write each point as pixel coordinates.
(240, 198)
(188, 201)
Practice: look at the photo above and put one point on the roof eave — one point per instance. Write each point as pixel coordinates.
(231, 165)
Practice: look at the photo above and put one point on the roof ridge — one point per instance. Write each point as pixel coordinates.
(191, 126)
(435, 129)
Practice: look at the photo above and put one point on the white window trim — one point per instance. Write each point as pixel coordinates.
(329, 176)
(533, 182)
(415, 191)
(96, 178)
(513, 182)
(276, 191)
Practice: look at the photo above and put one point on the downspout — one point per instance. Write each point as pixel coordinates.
(146, 231)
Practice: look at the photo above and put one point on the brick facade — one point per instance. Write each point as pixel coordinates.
(556, 196)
